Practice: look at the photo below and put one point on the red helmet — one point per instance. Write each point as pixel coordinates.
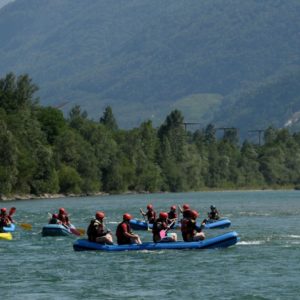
(149, 206)
(62, 210)
(127, 217)
(55, 216)
(163, 215)
(100, 215)
(185, 206)
(194, 214)
(173, 207)
(3, 210)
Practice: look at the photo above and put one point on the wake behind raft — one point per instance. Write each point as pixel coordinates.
(221, 241)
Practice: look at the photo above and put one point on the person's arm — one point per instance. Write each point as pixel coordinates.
(128, 234)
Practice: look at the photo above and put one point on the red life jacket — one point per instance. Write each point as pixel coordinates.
(120, 233)
(172, 215)
(188, 229)
(151, 215)
(63, 218)
(4, 220)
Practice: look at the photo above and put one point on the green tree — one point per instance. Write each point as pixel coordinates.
(108, 119)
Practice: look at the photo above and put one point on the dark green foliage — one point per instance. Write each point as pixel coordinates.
(41, 152)
(108, 119)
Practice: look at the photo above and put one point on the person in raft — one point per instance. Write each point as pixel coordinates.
(160, 228)
(5, 219)
(185, 210)
(151, 214)
(213, 214)
(172, 216)
(190, 232)
(97, 232)
(124, 233)
(54, 219)
(63, 217)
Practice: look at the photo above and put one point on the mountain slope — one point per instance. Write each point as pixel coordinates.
(142, 57)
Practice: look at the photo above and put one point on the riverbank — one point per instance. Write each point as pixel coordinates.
(45, 196)
(15, 197)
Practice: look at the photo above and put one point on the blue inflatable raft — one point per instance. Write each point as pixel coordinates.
(142, 225)
(59, 230)
(221, 241)
(9, 228)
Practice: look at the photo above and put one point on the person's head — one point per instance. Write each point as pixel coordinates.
(173, 208)
(194, 214)
(185, 206)
(55, 216)
(149, 207)
(62, 210)
(3, 211)
(212, 207)
(100, 215)
(127, 217)
(163, 215)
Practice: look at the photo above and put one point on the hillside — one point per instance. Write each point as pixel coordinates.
(146, 57)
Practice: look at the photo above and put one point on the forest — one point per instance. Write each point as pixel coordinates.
(42, 151)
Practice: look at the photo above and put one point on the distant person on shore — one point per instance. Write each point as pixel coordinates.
(63, 217)
(150, 214)
(160, 229)
(124, 233)
(97, 231)
(189, 229)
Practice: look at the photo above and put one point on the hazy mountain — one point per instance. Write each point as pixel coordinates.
(147, 57)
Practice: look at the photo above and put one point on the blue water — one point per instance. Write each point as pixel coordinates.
(265, 264)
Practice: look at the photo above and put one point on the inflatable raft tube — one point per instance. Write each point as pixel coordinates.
(221, 241)
(59, 230)
(142, 225)
(10, 228)
(5, 236)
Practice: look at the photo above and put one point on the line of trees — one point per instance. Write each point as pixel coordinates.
(41, 151)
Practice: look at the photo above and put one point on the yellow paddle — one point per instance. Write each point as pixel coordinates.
(25, 226)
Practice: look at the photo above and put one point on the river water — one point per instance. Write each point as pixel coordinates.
(265, 264)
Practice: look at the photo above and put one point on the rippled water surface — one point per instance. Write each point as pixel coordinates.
(265, 264)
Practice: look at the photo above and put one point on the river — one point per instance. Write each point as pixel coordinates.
(264, 264)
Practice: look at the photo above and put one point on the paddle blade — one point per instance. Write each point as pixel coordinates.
(162, 234)
(12, 211)
(81, 231)
(26, 226)
(77, 231)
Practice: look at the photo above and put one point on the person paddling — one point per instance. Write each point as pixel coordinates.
(151, 214)
(185, 210)
(172, 216)
(213, 214)
(124, 233)
(5, 219)
(54, 219)
(97, 231)
(63, 217)
(160, 228)
(189, 229)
